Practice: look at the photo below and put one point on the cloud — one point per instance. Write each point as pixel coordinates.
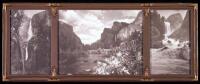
(89, 24)
(167, 13)
(87, 39)
(30, 13)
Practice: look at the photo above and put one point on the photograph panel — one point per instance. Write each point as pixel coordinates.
(30, 41)
(100, 42)
(170, 50)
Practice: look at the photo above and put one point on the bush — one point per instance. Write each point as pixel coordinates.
(125, 59)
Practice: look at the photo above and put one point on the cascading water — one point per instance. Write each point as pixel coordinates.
(24, 43)
(30, 34)
(169, 42)
(168, 30)
(26, 53)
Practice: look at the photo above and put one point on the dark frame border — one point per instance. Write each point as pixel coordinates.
(54, 7)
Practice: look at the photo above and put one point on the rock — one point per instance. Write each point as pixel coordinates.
(120, 31)
(107, 38)
(117, 26)
(185, 53)
(70, 47)
(68, 40)
(175, 21)
(157, 29)
(39, 45)
(126, 32)
(182, 34)
(139, 19)
(88, 70)
(109, 35)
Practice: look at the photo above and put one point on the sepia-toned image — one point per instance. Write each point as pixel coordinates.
(170, 50)
(30, 41)
(100, 42)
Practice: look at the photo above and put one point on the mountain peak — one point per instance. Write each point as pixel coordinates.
(138, 19)
(117, 26)
(175, 17)
(175, 21)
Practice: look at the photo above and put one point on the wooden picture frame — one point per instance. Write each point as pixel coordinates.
(145, 7)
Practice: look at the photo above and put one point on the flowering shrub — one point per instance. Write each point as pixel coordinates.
(125, 59)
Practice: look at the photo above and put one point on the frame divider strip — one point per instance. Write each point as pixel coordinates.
(54, 43)
(146, 43)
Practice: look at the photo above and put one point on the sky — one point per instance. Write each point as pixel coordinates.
(167, 13)
(89, 24)
(30, 13)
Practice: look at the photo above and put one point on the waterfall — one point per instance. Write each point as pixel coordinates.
(30, 34)
(169, 42)
(26, 53)
(168, 30)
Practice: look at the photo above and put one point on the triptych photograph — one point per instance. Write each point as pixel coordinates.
(100, 42)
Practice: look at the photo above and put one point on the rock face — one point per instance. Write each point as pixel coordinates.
(126, 32)
(117, 26)
(175, 21)
(67, 36)
(182, 33)
(29, 50)
(157, 29)
(139, 19)
(107, 38)
(109, 35)
(119, 32)
(70, 47)
(39, 45)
